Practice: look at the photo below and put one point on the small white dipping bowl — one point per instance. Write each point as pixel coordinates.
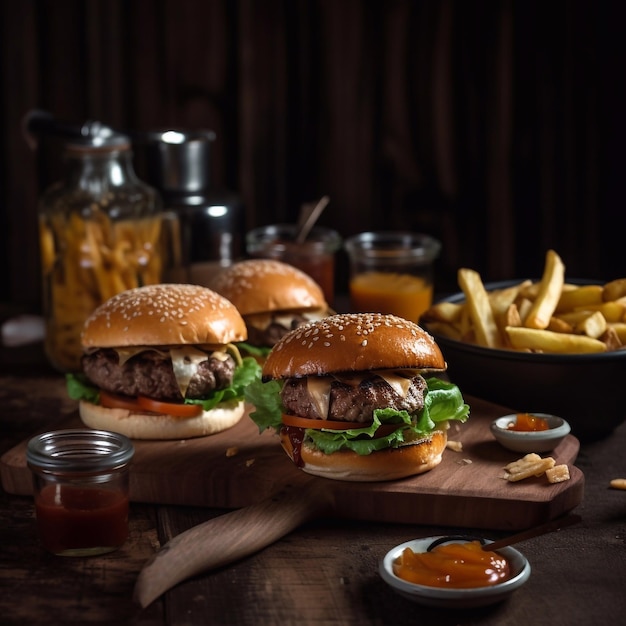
(454, 598)
(530, 441)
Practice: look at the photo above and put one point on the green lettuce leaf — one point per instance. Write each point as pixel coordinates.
(442, 402)
(265, 397)
(258, 351)
(79, 387)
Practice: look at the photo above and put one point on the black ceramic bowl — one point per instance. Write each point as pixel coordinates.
(588, 390)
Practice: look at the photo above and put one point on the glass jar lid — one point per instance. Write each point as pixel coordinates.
(78, 450)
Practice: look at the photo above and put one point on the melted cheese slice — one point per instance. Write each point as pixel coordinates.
(124, 354)
(319, 386)
(261, 321)
(399, 381)
(185, 359)
(319, 390)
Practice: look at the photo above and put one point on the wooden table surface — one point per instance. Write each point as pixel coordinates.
(325, 572)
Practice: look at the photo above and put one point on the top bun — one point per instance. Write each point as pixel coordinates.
(353, 342)
(165, 315)
(264, 285)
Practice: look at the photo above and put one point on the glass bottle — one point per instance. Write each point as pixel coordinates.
(100, 233)
(81, 490)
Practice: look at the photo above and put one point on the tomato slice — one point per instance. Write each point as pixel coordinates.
(304, 422)
(169, 408)
(142, 403)
(113, 401)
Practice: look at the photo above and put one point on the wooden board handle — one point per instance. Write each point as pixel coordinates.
(230, 537)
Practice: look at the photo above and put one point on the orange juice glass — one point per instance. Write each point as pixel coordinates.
(392, 272)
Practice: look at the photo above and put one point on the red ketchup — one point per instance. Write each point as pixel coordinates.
(296, 437)
(74, 518)
(81, 490)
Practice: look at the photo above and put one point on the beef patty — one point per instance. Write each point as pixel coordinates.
(150, 373)
(353, 403)
(274, 331)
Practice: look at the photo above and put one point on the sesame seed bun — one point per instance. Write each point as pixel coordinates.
(353, 342)
(165, 314)
(264, 285)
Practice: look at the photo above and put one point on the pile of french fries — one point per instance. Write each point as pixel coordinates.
(547, 316)
(84, 263)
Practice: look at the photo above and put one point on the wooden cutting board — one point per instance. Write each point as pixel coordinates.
(239, 467)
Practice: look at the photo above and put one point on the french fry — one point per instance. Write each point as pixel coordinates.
(557, 325)
(611, 339)
(530, 291)
(620, 331)
(527, 467)
(479, 308)
(512, 316)
(611, 311)
(501, 299)
(585, 318)
(523, 306)
(614, 290)
(558, 474)
(540, 340)
(549, 294)
(445, 330)
(573, 318)
(579, 297)
(593, 325)
(445, 312)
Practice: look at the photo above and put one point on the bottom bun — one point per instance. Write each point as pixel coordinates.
(158, 426)
(388, 464)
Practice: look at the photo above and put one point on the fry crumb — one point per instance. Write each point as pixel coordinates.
(232, 451)
(530, 465)
(558, 474)
(618, 483)
(249, 462)
(455, 446)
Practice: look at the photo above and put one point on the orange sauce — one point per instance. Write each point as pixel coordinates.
(453, 565)
(320, 267)
(318, 264)
(386, 292)
(74, 518)
(525, 422)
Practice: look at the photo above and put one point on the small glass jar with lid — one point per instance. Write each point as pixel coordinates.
(100, 233)
(81, 490)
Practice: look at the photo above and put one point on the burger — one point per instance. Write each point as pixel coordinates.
(160, 362)
(355, 397)
(273, 297)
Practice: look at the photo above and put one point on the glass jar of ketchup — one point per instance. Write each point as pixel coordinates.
(81, 487)
(315, 256)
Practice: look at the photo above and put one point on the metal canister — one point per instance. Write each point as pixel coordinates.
(205, 223)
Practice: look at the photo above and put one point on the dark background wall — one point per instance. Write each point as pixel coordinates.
(496, 125)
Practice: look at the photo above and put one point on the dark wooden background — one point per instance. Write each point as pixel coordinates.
(496, 125)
